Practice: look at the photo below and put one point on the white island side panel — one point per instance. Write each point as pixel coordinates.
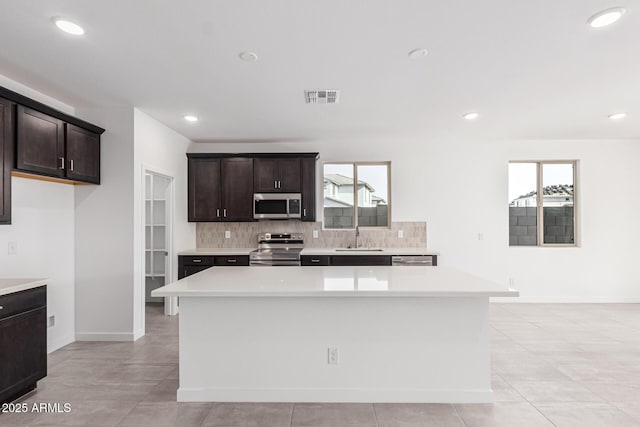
(253, 349)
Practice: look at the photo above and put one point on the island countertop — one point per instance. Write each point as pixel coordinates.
(9, 286)
(333, 281)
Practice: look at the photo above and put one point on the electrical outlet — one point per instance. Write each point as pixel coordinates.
(400, 234)
(480, 236)
(332, 358)
(512, 281)
(315, 234)
(12, 248)
(227, 234)
(51, 321)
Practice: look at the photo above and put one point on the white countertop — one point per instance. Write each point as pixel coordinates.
(333, 281)
(9, 286)
(217, 251)
(384, 251)
(311, 251)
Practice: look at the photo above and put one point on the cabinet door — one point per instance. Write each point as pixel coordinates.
(83, 154)
(23, 351)
(289, 175)
(6, 160)
(204, 190)
(188, 270)
(40, 143)
(237, 194)
(265, 175)
(355, 260)
(308, 189)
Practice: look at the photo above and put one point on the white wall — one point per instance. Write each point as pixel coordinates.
(161, 150)
(460, 190)
(42, 227)
(104, 230)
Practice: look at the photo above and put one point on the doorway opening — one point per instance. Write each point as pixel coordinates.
(158, 224)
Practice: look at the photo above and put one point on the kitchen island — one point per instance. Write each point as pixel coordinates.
(334, 334)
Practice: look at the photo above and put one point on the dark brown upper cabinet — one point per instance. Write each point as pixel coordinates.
(276, 175)
(237, 189)
(220, 189)
(6, 159)
(40, 143)
(308, 189)
(49, 146)
(204, 190)
(83, 154)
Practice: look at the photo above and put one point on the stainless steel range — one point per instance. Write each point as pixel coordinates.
(277, 249)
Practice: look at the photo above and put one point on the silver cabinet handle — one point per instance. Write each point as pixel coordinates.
(61, 163)
(218, 213)
(224, 212)
(232, 260)
(279, 184)
(1, 307)
(304, 212)
(196, 260)
(71, 165)
(275, 184)
(315, 260)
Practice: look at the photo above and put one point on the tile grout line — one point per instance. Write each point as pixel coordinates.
(293, 407)
(375, 414)
(459, 416)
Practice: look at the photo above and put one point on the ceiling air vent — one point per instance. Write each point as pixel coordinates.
(322, 96)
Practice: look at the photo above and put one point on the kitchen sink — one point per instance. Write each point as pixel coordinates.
(359, 249)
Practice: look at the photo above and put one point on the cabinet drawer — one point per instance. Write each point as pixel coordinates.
(197, 260)
(314, 259)
(22, 301)
(237, 260)
(355, 260)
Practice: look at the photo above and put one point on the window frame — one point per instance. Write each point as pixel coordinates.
(540, 206)
(355, 165)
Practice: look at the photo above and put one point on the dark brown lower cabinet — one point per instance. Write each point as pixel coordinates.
(355, 260)
(23, 342)
(191, 264)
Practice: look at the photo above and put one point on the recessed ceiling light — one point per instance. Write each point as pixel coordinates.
(617, 116)
(248, 56)
(606, 17)
(471, 116)
(418, 53)
(68, 26)
(191, 118)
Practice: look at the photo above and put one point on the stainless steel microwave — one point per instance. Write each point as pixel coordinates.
(277, 205)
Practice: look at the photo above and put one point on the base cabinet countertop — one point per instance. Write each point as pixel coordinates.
(314, 251)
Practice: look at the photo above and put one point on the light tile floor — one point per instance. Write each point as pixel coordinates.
(552, 364)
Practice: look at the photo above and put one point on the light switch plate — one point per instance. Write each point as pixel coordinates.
(227, 234)
(12, 248)
(315, 234)
(400, 234)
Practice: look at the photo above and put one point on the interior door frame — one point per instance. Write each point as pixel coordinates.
(170, 303)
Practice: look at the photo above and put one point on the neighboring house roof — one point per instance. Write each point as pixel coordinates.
(332, 202)
(341, 180)
(551, 190)
(378, 200)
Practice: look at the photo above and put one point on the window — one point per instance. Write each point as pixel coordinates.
(542, 200)
(357, 194)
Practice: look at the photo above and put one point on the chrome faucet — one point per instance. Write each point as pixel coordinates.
(357, 235)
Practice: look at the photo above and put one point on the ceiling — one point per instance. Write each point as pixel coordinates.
(532, 69)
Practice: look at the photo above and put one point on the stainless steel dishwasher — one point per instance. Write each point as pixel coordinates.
(413, 260)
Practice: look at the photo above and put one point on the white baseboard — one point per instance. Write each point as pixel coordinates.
(105, 336)
(55, 344)
(334, 395)
(570, 300)
(138, 334)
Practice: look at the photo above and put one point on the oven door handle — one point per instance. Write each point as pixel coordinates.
(260, 262)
